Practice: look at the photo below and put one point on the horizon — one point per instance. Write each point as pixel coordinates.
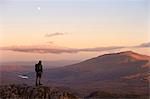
(66, 61)
(53, 30)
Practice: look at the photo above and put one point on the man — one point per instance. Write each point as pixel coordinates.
(39, 71)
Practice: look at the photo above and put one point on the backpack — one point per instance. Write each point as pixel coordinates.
(38, 67)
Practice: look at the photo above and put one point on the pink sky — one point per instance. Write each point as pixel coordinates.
(74, 30)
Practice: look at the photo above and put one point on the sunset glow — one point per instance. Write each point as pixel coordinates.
(71, 24)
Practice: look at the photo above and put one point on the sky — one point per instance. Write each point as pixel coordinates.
(71, 29)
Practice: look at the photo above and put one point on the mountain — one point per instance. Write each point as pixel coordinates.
(123, 72)
(24, 91)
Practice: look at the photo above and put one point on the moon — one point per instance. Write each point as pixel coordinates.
(39, 8)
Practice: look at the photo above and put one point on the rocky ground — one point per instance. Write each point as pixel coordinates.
(32, 92)
(23, 91)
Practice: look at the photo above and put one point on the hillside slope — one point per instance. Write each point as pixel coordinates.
(124, 72)
(121, 73)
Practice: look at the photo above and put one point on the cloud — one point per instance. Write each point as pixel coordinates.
(96, 49)
(50, 42)
(51, 48)
(55, 34)
(144, 45)
(55, 49)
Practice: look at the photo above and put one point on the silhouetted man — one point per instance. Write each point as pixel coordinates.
(39, 71)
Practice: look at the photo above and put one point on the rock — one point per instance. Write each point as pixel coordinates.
(31, 92)
(107, 95)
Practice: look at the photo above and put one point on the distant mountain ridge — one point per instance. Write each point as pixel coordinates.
(109, 71)
(122, 73)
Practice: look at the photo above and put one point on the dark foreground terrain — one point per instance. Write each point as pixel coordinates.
(32, 92)
(23, 91)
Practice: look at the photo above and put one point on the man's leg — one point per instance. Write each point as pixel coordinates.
(36, 79)
(40, 79)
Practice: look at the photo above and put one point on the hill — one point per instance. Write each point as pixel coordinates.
(124, 72)
(121, 73)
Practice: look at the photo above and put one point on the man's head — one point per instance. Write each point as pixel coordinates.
(40, 62)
